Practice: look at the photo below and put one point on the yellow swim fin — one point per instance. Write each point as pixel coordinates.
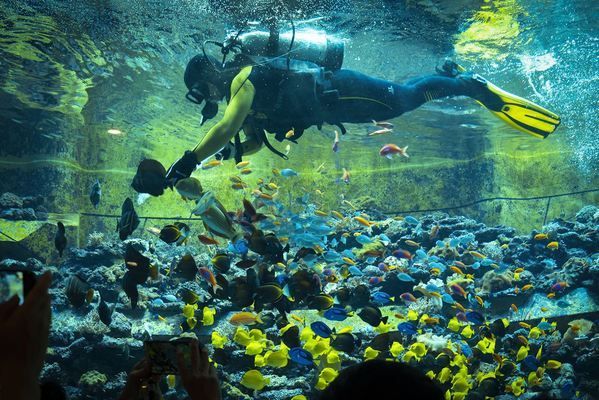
(516, 111)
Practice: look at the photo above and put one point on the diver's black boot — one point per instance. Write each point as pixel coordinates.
(450, 69)
(181, 169)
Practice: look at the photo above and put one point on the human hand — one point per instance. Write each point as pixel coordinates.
(181, 169)
(199, 380)
(140, 373)
(24, 332)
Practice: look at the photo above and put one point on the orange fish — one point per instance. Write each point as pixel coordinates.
(477, 254)
(346, 175)
(456, 270)
(212, 164)
(290, 133)
(524, 325)
(518, 270)
(245, 318)
(235, 179)
(523, 340)
(514, 308)
(526, 287)
(412, 243)
(541, 236)
(459, 307)
(265, 196)
(457, 289)
(245, 171)
(321, 213)
(348, 260)
(552, 245)
(242, 164)
(207, 240)
(337, 214)
(459, 264)
(551, 295)
(209, 277)
(238, 186)
(363, 221)
(434, 231)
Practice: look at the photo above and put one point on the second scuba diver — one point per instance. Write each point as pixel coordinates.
(279, 94)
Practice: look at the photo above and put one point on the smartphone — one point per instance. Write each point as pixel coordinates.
(15, 282)
(162, 353)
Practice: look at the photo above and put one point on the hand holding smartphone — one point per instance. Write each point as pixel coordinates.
(15, 282)
(162, 352)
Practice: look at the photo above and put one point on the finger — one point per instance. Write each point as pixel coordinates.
(195, 355)
(183, 370)
(8, 307)
(204, 363)
(37, 293)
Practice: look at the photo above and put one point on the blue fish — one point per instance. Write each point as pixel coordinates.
(239, 247)
(447, 298)
(531, 363)
(433, 288)
(381, 298)
(343, 240)
(157, 303)
(334, 242)
(545, 326)
(321, 329)
(301, 356)
(440, 243)
(287, 172)
(420, 253)
(476, 265)
(402, 276)
(439, 265)
(363, 239)
(411, 220)
(348, 253)
(485, 262)
(332, 256)
(466, 350)
(454, 242)
(475, 317)
(407, 328)
(336, 313)
(370, 260)
(568, 391)
(355, 271)
(170, 298)
(384, 238)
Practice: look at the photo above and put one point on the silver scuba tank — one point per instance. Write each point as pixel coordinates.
(308, 45)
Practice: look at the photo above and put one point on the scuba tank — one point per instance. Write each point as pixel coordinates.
(308, 45)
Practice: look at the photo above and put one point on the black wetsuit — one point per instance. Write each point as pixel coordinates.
(363, 98)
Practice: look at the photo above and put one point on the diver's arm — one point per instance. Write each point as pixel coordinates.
(242, 96)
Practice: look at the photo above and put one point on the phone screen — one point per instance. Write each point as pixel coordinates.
(11, 284)
(162, 352)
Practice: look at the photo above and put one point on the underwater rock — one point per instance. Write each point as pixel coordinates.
(10, 200)
(488, 234)
(588, 214)
(34, 202)
(120, 326)
(93, 379)
(52, 371)
(19, 214)
(493, 282)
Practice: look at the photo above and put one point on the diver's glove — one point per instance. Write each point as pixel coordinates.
(181, 169)
(226, 153)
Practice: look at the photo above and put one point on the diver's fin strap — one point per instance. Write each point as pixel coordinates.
(238, 149)
(262, 136)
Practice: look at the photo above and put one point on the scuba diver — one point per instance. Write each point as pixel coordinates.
(284, 83)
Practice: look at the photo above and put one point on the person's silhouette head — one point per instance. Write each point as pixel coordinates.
(379, 379)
